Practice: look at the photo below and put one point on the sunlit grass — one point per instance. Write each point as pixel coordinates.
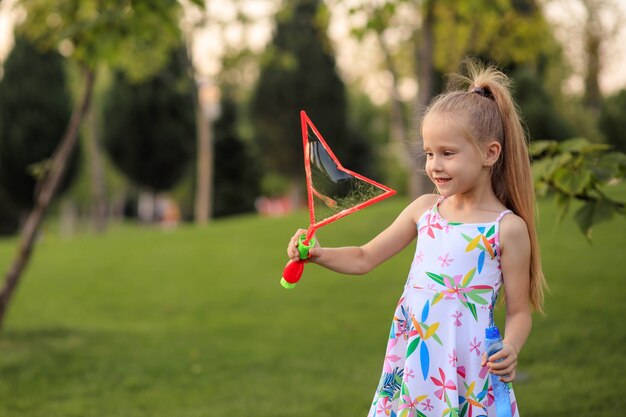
(193, 322)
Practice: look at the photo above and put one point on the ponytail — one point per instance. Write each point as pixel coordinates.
(494, 115)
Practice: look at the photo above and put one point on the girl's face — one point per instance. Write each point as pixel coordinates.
(453, 163)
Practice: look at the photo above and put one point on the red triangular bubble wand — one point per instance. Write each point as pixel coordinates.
(333, 192)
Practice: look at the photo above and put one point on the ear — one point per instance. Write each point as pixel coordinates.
(491, 153)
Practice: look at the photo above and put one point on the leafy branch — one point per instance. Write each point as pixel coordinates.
(579, 170)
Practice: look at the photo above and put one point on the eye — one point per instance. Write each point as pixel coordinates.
(448, 153)
(428, 154)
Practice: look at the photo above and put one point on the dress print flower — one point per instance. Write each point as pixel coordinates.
(419, 257)
(427, 405)
(432, 222)
(384, 407)
(452, 358)
(443, 385)
(475, 346)
(457, 315)
(403, 322)
(419, 336)
(446, 260)
(485, 242)
(390, 385)
(471, 402)
(409, 405)
(458, 287)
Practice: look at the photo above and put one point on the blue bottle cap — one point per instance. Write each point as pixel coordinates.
(492, 333)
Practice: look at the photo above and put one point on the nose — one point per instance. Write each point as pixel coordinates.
(434, 163)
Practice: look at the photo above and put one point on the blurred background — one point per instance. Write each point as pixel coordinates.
(151, 175)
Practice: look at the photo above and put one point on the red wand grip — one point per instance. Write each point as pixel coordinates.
(293, 269)
(292, 273)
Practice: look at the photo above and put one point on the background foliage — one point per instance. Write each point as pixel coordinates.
(35, 106)
(149, 131)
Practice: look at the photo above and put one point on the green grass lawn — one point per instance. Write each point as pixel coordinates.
(194, 322)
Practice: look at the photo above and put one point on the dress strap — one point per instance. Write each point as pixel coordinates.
(501, 215)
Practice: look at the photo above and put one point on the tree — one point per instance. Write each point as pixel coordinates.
(538, 108)
(442, 33)
(515, 35)
(9, 215)
(91, 32)
(34, 108)
(580, 170)
(298, 72)
(613, 120)
(235, 67)
(150, 129)
(236, 169)
(602, 23)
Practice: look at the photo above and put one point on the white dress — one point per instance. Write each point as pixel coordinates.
(432, 364)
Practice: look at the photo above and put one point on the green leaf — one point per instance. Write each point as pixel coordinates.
(592, 213)
(603, 212)
(581, 145)
(558, 162)
(584, 218)
(540, 147)
(404, 389)
(540, 168)
(437, 339)
(472, 308)
(572, 182)
(437, 278)
(412, 346)
(563, 202)
(477, 298)
(609, 166)
(541, 188)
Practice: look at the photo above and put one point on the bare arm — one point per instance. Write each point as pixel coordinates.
(515, 263)
(362, 259)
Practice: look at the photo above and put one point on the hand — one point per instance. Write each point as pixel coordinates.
(506, 367)
(292, 249)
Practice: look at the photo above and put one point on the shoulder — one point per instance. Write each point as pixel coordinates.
(513, 233)
(421, 204)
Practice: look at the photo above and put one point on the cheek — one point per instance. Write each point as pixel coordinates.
(427, 166)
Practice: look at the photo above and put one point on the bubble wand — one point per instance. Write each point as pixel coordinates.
(333, 192)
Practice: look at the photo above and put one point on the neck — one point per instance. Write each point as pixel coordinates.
(480, 198)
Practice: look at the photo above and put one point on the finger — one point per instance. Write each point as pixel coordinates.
(292, 248)
(504, 363)
(508, 378)
(299, 233)
(296, 237)
(484, 360)
(504, 370)
(497, 356)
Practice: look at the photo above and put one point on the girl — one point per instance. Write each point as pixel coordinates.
(476, 235)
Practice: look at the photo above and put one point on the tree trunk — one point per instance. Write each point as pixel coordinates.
(96, 174)
(45, 192)
(592, 43)
(425, 75)
(204, 180)
(401, 146)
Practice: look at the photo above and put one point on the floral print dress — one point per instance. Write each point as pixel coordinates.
(432, 363)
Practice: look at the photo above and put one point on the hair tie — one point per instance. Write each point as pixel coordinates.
(484, 92)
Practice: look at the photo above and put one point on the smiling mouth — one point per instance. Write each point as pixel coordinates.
(441, 180)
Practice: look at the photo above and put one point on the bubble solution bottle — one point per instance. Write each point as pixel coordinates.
(493, 342)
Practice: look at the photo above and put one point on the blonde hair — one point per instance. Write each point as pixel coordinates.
(490, 113)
